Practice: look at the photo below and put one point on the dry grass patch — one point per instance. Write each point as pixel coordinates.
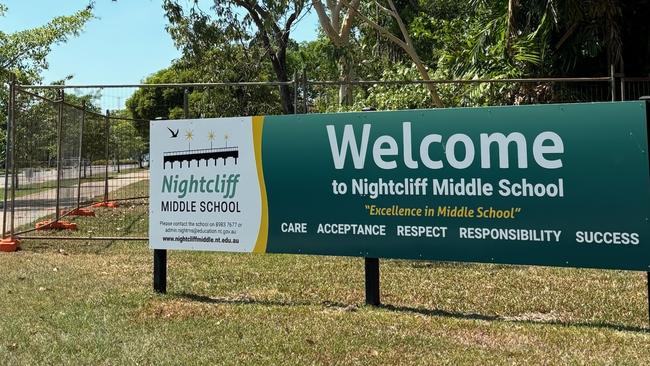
(179, 309)
(508, 342)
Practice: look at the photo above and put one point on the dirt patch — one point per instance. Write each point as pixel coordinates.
(537, 317)
(179, 309)
(497, 341)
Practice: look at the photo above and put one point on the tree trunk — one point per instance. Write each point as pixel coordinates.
(346, 96)
(286, 98)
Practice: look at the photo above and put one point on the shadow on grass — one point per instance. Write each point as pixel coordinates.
(127, 230)
(406, 309)
(455, 265)
(474, 316)
(249, 301)
(439, 313)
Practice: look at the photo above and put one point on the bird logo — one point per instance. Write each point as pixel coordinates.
(174, 134)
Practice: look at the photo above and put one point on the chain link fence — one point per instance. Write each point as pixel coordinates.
(71, 147)
(323, 96)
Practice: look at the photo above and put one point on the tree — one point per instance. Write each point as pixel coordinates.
(535, 38)
(165, 103)
(635, 31)
(229, 64)
(25, 52)
(126, 142)
(336, 22)
(405, 42)
(268, 23)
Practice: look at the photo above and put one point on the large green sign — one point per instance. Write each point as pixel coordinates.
(557, 185)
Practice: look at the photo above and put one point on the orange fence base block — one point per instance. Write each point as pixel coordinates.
(106, 204)
(9, 244)
(55, 225)
(80, 212)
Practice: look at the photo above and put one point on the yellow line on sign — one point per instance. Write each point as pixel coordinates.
(262, 236)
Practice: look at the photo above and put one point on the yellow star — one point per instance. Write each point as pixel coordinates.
(189, 135)
(210, 135)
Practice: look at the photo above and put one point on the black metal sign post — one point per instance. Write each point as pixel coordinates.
(160, 255)
(372, 281)
(160, 270)
(372, 268)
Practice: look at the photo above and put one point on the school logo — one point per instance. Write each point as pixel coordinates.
(211, 154)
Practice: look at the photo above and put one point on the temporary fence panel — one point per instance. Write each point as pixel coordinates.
(93, 173)
(69, 135)
(634, 88)
(33, 185)
(67, 156)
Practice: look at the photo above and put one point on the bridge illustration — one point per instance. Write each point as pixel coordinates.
(200, 154)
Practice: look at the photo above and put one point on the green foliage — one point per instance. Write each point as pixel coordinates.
(37, 127)
(480, 39)
(241, 25)
(167, 103)
(536, 38)
(317, 58)
(407, 96)
(125, 140)
(152, 103)
(24, 52)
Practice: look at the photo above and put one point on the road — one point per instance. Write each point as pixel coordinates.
(33, 207)
(42, 175)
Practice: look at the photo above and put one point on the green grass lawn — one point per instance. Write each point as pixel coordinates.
(91, 302)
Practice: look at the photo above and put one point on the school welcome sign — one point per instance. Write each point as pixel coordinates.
(558, 185)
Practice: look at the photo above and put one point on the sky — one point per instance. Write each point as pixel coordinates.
(126, 43)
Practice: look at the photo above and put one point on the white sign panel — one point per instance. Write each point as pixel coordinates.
(204, 190)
